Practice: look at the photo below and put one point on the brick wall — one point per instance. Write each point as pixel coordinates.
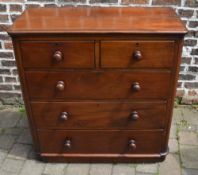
(187, 9)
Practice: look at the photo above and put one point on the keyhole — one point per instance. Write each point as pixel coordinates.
(137, 44)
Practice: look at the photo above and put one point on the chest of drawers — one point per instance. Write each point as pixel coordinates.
(99, 83)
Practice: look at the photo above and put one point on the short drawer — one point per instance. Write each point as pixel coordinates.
(137, 54)
(49, 54)
(97, 85)
(99, 115)
(98, 141)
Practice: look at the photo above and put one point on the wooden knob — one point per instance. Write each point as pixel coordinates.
(137, 55)
(67, 144)
(60, 85)
(134, 115)
(64, 115)
(58, 56)
(132, 144)
(136, 86)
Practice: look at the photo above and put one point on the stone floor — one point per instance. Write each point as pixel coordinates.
(17, 156)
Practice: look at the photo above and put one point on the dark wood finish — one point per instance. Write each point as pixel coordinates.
(111, 142)
(99, 115)
(99, 83)
(175, 77)
(103, 158)
(58, 54)
(98, 20)
(137, 54)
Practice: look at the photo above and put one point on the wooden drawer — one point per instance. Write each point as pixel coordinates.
(137, 54)
(98, 141)
(49, 54)
(99, 115)
(97, 85)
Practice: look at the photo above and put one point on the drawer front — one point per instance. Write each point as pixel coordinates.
(97, 141)
(97, 85)
(68, 54)
(139, 54)
(99, 115)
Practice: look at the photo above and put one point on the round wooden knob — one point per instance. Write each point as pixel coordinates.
(58, 56)
(137, 55)
(136, 86)
(64, 116)
(67, 144)
(60, 86)
(134, 115)
(132, 144)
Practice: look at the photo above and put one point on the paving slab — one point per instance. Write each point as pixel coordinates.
(190, 115)
(171, 165)
(23, 122)
(7, 141)
(12, 165)
(123, 169)
(177, 115)
(13, 131)
(19, 151)
(189, 156)
(145, 173)
(2, 172)
(189, 172)
(55, 169)
(77, 169)
(32, 155)
(3, 155)
(25, 137)
(9, 118)
(173, 146)
(101, 169)
(32, 167)
(188, 138)
(173, 131)
(147, 168)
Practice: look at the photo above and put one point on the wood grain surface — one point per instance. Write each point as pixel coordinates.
(98, 20)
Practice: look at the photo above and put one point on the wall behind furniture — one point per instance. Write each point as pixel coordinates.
(10, 92)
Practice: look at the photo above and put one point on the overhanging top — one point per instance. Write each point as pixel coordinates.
(98, 20)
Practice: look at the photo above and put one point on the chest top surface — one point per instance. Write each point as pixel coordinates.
(98, 20)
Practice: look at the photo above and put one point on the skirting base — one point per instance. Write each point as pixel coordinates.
(103, 158)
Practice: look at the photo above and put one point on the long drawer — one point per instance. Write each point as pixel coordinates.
(98, 141)
(58, 54)
(99, 115)
(97, 85)
(137, 54)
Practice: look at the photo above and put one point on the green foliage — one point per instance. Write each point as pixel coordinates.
(183, 123)
(178, 101)
(22, 109)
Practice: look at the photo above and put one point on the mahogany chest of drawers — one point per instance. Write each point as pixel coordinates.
(99, 83)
